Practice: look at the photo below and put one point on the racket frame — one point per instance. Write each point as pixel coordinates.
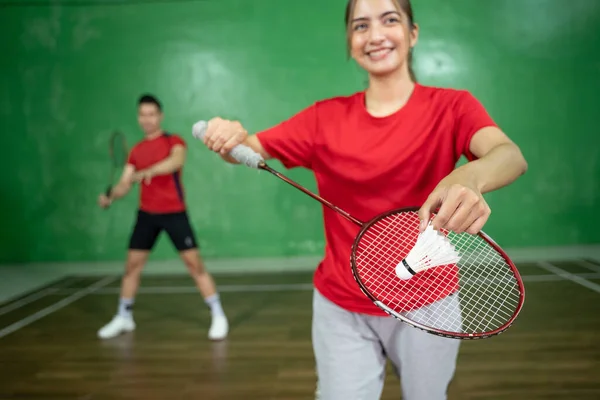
(364, 226)
(414, 324)
(115, 137)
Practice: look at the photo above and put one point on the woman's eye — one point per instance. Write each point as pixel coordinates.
(360, 26)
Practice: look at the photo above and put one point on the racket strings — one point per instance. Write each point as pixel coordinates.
(489, 309)
(118, 149)
(487, 291)
(374, 237)
(394, 241)
(372, 251)
(384, 287)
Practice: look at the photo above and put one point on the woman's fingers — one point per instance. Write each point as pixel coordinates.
(222, 135)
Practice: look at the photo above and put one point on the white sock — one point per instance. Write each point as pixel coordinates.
(126, 308)
(215, 305)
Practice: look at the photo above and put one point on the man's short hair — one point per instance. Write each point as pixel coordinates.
(149, 99)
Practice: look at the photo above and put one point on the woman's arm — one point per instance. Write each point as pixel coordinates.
(500, 161)
(459, 196)
(290, 141)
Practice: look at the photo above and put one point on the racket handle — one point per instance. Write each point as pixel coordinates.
(241, 153)
(107, 193)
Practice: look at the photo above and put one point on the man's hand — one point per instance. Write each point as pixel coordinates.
(144, 175)
(104, 201)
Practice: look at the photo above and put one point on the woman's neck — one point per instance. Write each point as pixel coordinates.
(387, 94)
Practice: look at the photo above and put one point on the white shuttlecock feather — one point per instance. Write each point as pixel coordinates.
(432, 249)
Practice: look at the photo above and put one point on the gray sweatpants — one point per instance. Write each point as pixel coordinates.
(351, 351)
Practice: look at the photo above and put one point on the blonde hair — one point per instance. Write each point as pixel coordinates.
(401, 6)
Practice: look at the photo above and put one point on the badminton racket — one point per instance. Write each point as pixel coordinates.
(117, 149)
(454, 285)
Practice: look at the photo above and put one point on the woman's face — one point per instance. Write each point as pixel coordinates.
(381, 36)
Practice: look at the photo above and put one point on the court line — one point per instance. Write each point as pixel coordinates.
(281, 287)
(553, 277)
(26, 300)
(192, 289)
(56, 306)
(567, 275)
(54, 284)
(36, 295)
(589, 265)
(595, 261)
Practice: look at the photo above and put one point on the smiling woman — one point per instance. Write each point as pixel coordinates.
(359, 22)
(390, 146)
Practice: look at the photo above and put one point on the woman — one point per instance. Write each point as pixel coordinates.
(393, 145)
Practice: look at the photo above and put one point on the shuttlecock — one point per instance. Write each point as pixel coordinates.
(432, 249)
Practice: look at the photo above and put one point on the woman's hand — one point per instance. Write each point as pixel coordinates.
(459, 195)
(461, 207)
(223, 135)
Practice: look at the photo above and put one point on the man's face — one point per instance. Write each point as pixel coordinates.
(149, 117)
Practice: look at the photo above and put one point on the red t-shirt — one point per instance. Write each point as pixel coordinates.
(165, 193)
(369, 165)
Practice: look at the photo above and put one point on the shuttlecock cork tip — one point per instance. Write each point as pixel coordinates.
(404, 271)
(431, 249)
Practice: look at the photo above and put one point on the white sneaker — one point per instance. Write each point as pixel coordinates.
(116, 326)
(218, 328)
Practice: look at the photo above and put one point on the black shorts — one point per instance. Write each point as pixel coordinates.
(149, 226)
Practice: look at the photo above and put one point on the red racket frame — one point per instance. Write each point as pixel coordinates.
(438, 332)
(365, 226)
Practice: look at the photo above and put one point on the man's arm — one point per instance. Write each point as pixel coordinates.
(122, 188)
(172, 163)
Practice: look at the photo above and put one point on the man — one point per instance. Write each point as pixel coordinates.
(156, 163)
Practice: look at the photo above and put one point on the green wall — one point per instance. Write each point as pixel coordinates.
(71, 74)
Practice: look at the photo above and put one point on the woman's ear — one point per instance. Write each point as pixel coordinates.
(414, 35)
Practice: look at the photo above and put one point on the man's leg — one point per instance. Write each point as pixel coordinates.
(182, 235)
(141, 242)
(196, 267)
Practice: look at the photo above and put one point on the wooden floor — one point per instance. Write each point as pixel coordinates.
(49, 348)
